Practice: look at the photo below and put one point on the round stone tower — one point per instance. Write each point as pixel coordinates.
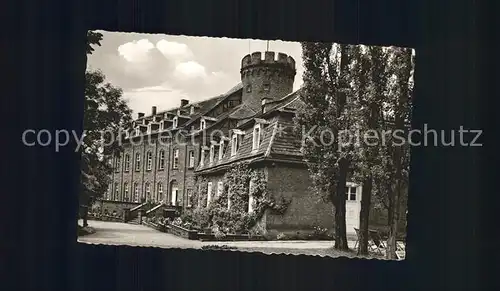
(266, 79)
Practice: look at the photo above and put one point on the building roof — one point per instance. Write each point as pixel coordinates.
(278, 141)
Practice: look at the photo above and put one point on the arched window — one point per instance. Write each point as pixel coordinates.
(175, 122)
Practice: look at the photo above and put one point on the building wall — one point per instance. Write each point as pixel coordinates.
(112, 206)
(182, 176)
(306, 210)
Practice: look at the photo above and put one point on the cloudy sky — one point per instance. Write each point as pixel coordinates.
(160, 70)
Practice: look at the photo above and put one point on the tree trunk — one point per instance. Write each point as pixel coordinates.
(85, 218)
(393, 227)
(340, 211)
(395, 203)
(365, 216)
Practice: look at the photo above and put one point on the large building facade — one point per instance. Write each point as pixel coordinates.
(165, 153)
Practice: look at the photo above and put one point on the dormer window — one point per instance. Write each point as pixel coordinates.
(137, 131)
(175, 120)
(149, 128)
(162, 125)
(202, 124)
(234, 144)
(221, 150)
(179, 112)
(212, 153)
(191, 110)
(256, 137)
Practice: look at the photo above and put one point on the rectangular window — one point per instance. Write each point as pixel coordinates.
(161, 160)
(189, 197)
(199, 195)
(209, 193)
(117, 192)
(127, 162)
(149, 161)
(118, 164)
(110, 192)
(228, 198)
(219, 188)
(147, 192)
(234, 145)
(175, 122)
(137, 162)
(256, 137)
(159, 192)
(250, 197)
(125, 192)
(350, 193)
(191, 159)
(175, 161)
(202, 159)
(136, 192)
(212, 153)
(202, 124)
(221, 150)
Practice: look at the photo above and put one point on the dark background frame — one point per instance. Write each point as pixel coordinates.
(45, 63)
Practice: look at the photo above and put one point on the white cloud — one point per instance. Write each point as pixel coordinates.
(136, 51)
(189, 70)
(174, 50)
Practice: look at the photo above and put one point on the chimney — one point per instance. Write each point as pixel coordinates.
(184, 102)
(140, 115)
(153, 110)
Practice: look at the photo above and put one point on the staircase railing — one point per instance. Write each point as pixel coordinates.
(133, 213)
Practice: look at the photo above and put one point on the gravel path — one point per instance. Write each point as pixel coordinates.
(116, 233)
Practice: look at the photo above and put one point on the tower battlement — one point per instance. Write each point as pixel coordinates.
(270, 58)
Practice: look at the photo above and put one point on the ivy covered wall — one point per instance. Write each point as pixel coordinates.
(228, 212)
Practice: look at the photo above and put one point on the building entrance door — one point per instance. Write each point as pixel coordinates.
(175, 190)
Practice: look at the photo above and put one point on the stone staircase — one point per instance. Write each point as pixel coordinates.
(136, 220)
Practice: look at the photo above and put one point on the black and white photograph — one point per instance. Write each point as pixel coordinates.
(246, 145)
